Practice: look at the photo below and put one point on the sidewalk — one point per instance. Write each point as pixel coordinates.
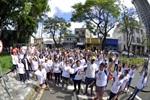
(137, 77)
(17, 90)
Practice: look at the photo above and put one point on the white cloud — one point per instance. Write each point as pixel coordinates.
(76, 25)
(63, 5)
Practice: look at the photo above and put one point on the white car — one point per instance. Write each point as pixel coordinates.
(125, 53)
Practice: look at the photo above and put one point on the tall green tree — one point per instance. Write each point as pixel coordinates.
(99, 15)
(128, 24)
(58, 26)
(22, 16)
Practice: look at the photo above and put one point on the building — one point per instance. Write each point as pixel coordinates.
(80, 36)
(93, 43)
(111, 44)
(143, 10)
(69, 42)
(138, 45)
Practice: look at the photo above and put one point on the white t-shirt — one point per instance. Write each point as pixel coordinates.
(66, 71)
(115, 74)
(41, 75)
(21, 68)
(91, 69)
(82, 62)
(116, 86)
(15, 59)
(46, 66)
(131, 73)
(35, 65)
(101, 78)
(78, 76)
(142, 82)
(125, 80)
(50, 62)
(41, 61)
(56, 67)
(116, 61)
(98, 62)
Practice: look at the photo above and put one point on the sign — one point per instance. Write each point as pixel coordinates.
(1, 46)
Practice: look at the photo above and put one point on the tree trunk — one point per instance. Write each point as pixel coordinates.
(54, 40)
(103, 43)
(128, 51)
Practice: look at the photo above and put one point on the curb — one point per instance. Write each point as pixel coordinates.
(31, 93)
(145, 91)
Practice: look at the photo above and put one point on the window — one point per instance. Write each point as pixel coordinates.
(70, 39)
(137, 30)
(67, 39)
(77, 32)
(138, 39)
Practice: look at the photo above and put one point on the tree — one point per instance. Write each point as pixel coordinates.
(55, 26)
(22, 16)
(99, 15)
(127, 25)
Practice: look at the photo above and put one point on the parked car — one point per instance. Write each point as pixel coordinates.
(112, 52)
(146, 54)
(125, 53)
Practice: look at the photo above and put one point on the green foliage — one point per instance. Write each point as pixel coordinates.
(5, 61)
(99, 15)
(131, 60)
(55, 26)
(22, 15)
(127, 25)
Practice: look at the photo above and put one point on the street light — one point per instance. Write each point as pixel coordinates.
(42, 27)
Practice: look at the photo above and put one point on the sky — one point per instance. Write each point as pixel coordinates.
(62, 8)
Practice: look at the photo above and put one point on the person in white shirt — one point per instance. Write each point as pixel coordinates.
(131, 73)
(57, 71)
(78, 71)
(91, 69)
(101, 81)
(21, 71)
(117, 71)
(116, 60)
(125, 80)
(47, 68)
(116, 86)
(82, 60)
(15, 60)
(35, 65)
(50, 62)
(141, 84)
(41, 74)
(65, 74)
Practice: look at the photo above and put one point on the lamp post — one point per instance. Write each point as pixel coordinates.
(42, 28)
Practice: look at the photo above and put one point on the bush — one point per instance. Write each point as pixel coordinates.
(5, 61)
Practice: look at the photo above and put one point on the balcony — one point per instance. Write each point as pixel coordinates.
(76, 35)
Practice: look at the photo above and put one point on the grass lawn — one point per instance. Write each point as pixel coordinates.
(5, 61)
(131, 60)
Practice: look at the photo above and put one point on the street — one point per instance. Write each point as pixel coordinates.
(60, 94)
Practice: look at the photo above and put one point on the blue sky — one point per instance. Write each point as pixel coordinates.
(62, 8)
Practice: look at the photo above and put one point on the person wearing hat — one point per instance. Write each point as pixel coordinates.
(91, 69)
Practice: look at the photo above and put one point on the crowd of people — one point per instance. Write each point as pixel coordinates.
(75, 66)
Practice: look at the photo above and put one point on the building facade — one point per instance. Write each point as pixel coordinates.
(69, 42)
(80, 36)
(143, 10)
(138, 44)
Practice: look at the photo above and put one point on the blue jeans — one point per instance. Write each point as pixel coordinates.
(132, 96)
(130, 80)
(27, 74)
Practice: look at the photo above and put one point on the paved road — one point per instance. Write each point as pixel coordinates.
(69, 95)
